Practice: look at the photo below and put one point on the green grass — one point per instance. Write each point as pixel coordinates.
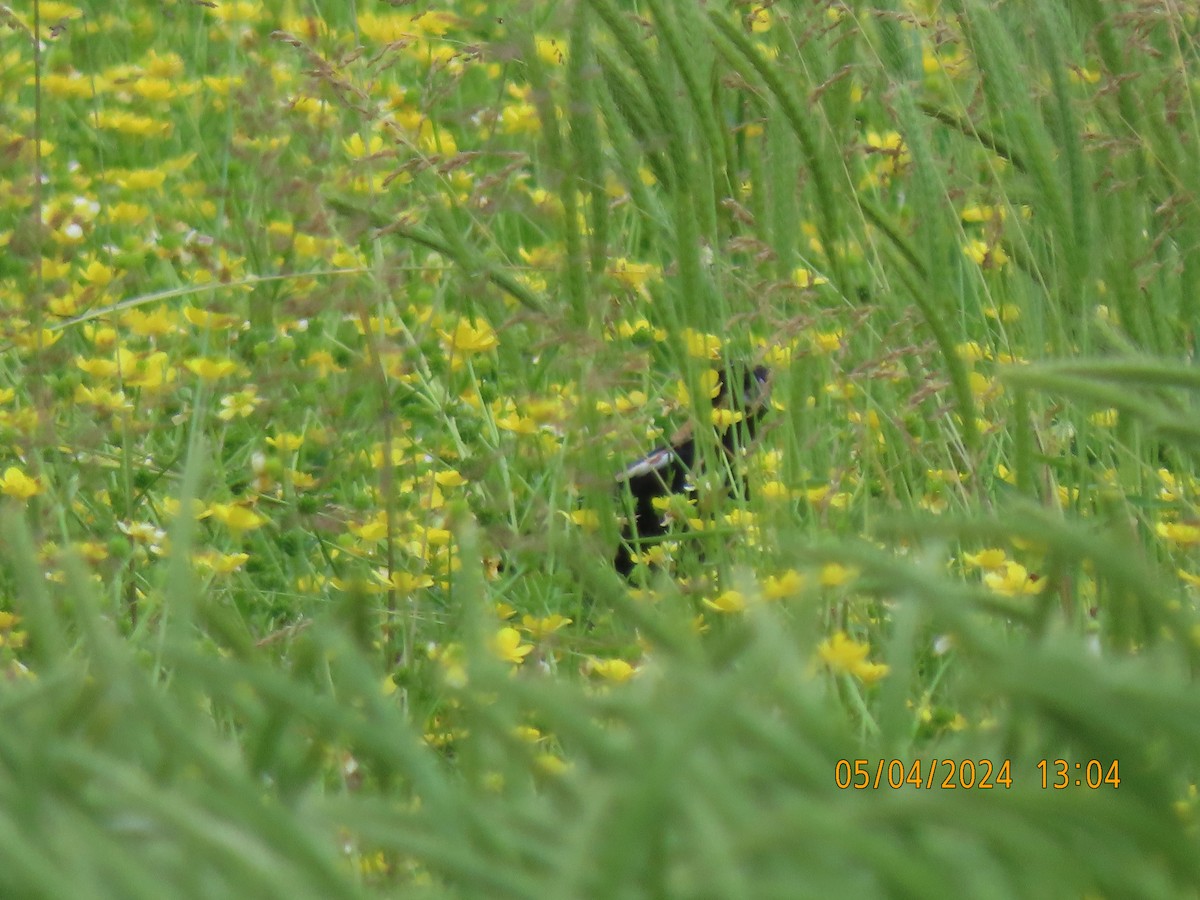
(324, 328)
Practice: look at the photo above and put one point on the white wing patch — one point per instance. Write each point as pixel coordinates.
(654, 462)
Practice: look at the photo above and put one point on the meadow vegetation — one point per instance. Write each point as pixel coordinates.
(325, 328)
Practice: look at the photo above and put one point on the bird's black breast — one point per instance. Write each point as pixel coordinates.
(668, 470)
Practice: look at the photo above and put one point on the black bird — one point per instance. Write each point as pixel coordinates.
(668, 470)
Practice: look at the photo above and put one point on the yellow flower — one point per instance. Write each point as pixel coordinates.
(373, 530)
(1178, 533)
(405, 582)
(516, 423)
(587, 519)
(551, 51)
(786, 584)
(172, 507)
(616, 670)
(38, 339)
(869, 673)
(133, 125)
(701, 345)
(18, 485)
(146, 533)
(449, 478)
(1169, 492)
(302, 481)
(101, 337)
(775, 490)
(835, 575)
(984, 388)
(977, 213)
(546, 257)
(239, 404)
(991, 559)
(520, 118)
(841, 653)
(323, 362)
(210, 369)
(102, 398)
(1014, 580)
(286, 442)
(551, 764)
(723, 418)
(543, 628)
(155, 323)
(827, 341)
(710, 383)
(1005, 312)
(236, 11)
(237, 518)
(759, 19)
(984, 255)
(470, 337)
(155, 371)
(105, 368)
(527, 733)
(842, 389)
(973, 351)
(67, 85)
(98, 273)
(435, 537)
(954, 63)
(220, 563)
(727, 602)
(357, 148)
(158, 89)
(1080, 75)
(632, 274)
(631, 401)
(890, 158)
(506, 645)
(93, 551)
(203, 318)
(222, 85)
(844, 655)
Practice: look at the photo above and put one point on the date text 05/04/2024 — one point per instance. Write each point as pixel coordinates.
(968, 774)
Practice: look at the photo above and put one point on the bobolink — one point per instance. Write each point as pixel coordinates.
(669, 470)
